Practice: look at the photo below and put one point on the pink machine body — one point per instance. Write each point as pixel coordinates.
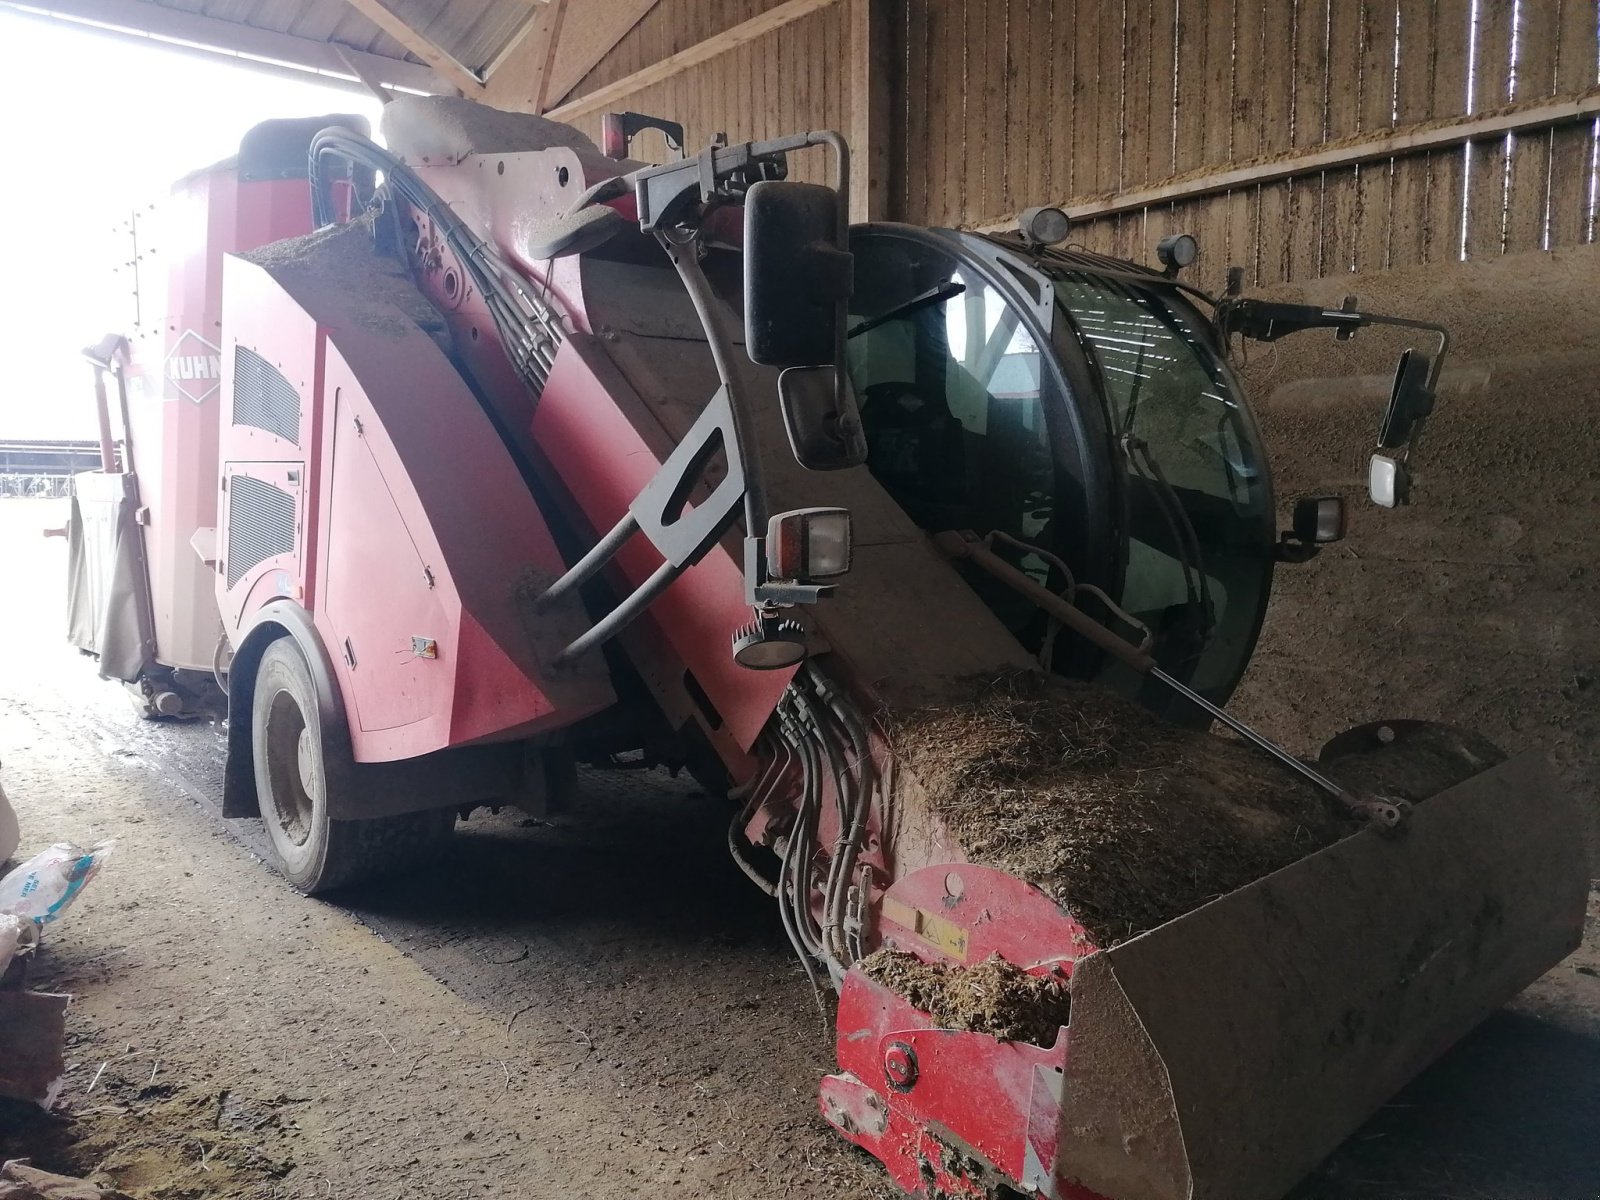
(348, 455)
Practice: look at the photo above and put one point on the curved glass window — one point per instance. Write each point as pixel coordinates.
(957, 401)
(1145, 474)
(1197, 499)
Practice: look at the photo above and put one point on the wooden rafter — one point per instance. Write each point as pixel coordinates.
(748, 31)
(589, 33)
(229, 39)
(368, 80)
(412, 38)
(546, 38)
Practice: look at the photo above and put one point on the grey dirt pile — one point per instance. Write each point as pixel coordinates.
(161, 1141)
(1126, 820)
(375, 293)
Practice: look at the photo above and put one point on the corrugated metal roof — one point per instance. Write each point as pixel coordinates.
(473, 32)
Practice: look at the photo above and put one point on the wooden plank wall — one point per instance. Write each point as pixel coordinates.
(999, 104)
(1074, 100)
(793, 78)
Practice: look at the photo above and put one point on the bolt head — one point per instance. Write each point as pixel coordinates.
(900, 1066)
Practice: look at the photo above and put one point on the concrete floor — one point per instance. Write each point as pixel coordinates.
(599, 1007)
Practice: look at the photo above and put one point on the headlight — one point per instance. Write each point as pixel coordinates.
(809, 543)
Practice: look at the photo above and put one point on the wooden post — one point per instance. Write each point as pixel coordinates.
(367, 78)
(871, 86)
(547, 36)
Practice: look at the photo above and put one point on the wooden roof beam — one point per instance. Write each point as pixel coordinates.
(589, 34)
(748, 31)
(413, 39)
(557, 11)
(542, 32)
(262, 49)
(589, 31)
(368, 80)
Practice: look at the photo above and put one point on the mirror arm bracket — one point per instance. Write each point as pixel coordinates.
(663, 193)
(1291, 549)
(1267, 321)
(761, 591)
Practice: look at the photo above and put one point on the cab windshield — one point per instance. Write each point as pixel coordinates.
(1197, 508)
(967, 425)
(1100, 434)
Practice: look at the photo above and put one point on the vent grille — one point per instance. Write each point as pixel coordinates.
(260, 524)
(263, 398)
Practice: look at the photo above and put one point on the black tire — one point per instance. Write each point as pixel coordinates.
(313, 852)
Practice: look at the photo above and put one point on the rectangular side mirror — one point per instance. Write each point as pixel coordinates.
(797, 274)
(821, 419)
(1318, 520)
(1409, 401)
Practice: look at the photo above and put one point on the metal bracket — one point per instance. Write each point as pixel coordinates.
(683, 538)
(663, 194)
(658, 509)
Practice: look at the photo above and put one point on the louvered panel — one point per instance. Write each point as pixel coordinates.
(260, 525)
(262, 398)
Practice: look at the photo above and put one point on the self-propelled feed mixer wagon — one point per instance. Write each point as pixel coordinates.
(483, 453)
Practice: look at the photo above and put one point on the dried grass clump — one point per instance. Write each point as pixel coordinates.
(992, 997)
(1128, 821)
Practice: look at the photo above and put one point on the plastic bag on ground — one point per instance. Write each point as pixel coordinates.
(41, 888)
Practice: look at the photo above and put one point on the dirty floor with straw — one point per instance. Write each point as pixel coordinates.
(595, 1007)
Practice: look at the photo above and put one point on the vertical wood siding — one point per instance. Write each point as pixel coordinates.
(999, 104)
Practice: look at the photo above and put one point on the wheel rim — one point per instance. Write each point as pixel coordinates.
(291, 769)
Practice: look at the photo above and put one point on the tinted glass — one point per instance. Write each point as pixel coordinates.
(1198, 507)
(955, 400)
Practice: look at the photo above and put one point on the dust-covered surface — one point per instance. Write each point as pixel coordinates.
(376, 293)
(659, 1040)
(993, 996)
(1128, 821)
(594, 1005)
(1480, 603)
(159, 1141)
(448, 128)
(1411, 760)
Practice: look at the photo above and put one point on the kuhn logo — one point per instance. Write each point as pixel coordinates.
(194, 368)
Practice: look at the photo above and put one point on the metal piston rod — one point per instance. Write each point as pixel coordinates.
(968, 546)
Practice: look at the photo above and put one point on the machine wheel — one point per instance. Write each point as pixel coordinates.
(314, 852)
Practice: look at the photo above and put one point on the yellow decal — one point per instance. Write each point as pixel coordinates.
(946, 935)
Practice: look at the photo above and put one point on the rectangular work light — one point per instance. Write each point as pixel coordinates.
(809, 543)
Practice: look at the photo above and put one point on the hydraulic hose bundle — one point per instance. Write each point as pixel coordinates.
(529, 328)
(818, 729)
